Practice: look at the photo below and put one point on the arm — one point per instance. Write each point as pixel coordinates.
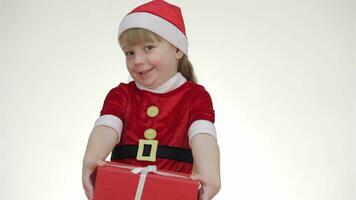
(207, 162)
(101, 142)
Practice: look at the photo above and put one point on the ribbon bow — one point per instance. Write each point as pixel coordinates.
(143, 171)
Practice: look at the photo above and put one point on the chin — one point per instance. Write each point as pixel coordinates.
(147, 84)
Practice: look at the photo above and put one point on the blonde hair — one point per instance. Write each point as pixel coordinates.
(135, 36)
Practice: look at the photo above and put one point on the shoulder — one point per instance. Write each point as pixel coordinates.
(201, 105)
(122, 91)
(197, 90)
(123, 88)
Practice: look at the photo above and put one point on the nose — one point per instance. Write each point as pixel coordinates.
(139, 59)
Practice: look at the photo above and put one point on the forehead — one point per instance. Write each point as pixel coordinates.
(137, 36)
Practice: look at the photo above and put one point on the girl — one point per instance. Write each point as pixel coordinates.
(162, 117)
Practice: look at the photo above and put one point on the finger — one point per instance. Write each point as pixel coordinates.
(101, 163)
(88, 190)
(87, 184)
(205, 195)
(194, 177)
(89, 194)
(201, 191)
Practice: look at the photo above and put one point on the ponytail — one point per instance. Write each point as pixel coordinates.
(186, 69)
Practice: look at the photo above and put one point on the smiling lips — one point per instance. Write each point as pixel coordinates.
(145, 72)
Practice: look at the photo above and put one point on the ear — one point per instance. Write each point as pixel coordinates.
(179, 54)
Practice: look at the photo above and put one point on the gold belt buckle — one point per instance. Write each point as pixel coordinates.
(145, 146)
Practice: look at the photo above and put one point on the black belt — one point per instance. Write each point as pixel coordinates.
(173, 153)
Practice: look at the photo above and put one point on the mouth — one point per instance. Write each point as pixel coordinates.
(145, 71)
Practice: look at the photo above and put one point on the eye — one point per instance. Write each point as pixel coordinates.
(149, 47)
(129, 53)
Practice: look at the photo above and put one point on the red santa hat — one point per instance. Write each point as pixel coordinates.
(160, 17)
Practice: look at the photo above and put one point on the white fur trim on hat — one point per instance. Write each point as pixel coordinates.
(157, 25)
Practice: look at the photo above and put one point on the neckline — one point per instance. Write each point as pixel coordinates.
(171, 84)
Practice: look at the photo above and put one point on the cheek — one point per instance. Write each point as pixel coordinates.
(172, 64)
(129, 66)
(157, 60)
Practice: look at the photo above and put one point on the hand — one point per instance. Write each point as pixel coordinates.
(87, 176)
(209, 188)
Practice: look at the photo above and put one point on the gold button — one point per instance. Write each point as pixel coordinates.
(150, 134)
(152, 111)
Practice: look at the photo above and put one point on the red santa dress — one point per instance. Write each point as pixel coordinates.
(167, 117)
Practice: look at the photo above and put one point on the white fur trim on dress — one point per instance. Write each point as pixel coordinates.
(111, 121)
(201, 127)
(157, 25)
(171, 84)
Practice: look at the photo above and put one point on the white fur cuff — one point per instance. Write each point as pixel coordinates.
(201, 126)
(110, 121)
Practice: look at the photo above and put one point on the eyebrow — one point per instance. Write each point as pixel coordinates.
(125, 48)
(144, 43)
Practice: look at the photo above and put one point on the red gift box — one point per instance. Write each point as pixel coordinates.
(116, 181)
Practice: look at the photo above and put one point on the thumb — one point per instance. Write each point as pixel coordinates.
(203, 193)
(101, 163)
(199, 177)
(203, 196)
(88, 186)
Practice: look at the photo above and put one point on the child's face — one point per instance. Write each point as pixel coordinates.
(152, 63)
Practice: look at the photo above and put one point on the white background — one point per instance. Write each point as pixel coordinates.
(281, 74)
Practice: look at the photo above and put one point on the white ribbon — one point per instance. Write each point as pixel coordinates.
(143, 171)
